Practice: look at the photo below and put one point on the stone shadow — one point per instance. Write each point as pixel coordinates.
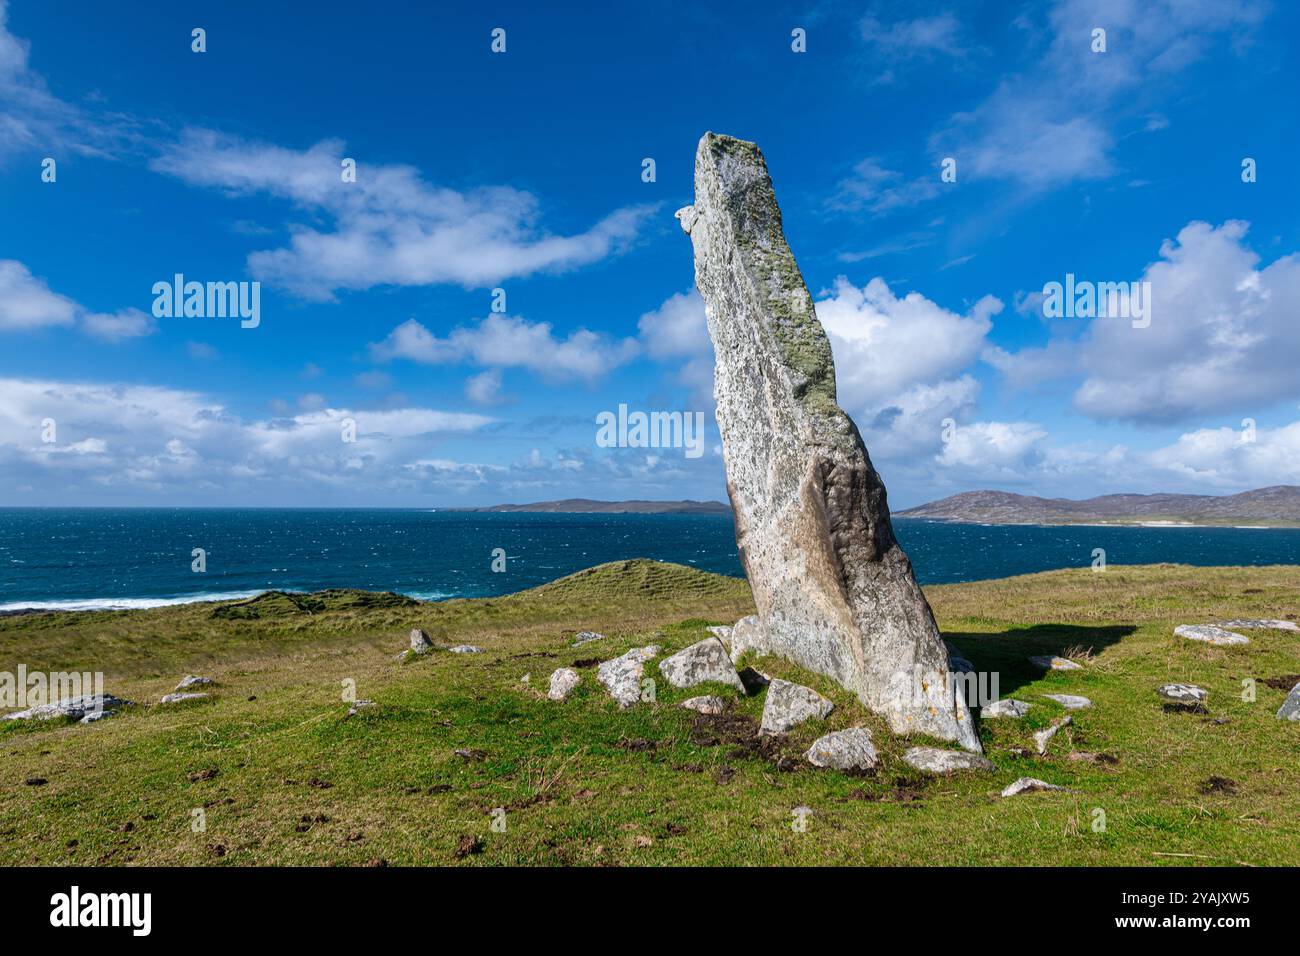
(1008, 652)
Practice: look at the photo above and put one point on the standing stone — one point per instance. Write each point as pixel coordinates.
(834, 591)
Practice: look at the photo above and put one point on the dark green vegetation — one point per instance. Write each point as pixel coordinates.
(283, 775)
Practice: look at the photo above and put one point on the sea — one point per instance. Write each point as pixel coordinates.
(98, 558)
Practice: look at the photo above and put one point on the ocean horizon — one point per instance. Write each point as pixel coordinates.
(126, 558)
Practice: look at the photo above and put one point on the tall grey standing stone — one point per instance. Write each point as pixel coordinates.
(834, 591)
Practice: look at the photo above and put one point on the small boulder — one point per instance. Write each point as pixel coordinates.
(1004, 708)
(844, 750)
(586, 637)
(1029, 785)
(622, 675)
(936, 760)
(1044, 736)
(710, 704)
(358, 706)
(181, 698)
(74, 708)
(192, 681)
(746, 634)
(1210, 634)
(563, 681)
(721, 631)
(1183, 693)
(1051, 662)
(1070, 701)
(465, 649)
(789, 705)
(420, 641)
(700, 663)
(1290, 709)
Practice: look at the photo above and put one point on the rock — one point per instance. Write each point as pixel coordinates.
(1210, 634)
(94, 716)
(1183, 693)
(746, 635)
(192, 681)
(420, 641)
(753, 681)
(465, 649)
(1004, 708)
(622, 675)
(789, 705)
(527, 678)
(74, 708)
(563, 681)
(1070, 701)
(1051, 662)
(704, 661)
(181, 698)
(586, 637)
(935, 760)
(844, 750)
(834, 590)
(721, 631)
(709, 704)
(1029, 785)
(358, 706)
(1290, 709)
(1259, 624)
(1044, 736)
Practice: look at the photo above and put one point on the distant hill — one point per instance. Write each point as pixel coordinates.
(1278, 506)
(588, 506)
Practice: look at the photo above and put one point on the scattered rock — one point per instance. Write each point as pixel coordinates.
(1051, 662)
(844, 750)
(1210, 634)
(465, 649)
(702, 662)
(1029, 785)
(1004, 708)
(622, 675)
(74, 708)
(1044, 736)
(935, 760)
(1260, 624)
(469, 753)
(834, 590)
(710, 704)
(182, 698)
(527, 678)
(563, 682)
(1183, 693)
(586, 637)
(358, 706)
(1070, 701)
(1290, 709)
(420, 642)
(191, 681)
(789, 705)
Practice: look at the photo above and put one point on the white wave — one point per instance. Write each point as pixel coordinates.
(125, 604)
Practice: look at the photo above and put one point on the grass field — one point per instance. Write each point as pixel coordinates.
(284, 776)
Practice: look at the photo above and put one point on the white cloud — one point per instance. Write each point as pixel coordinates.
(115, 326)
(390, 227)
(510, 342)
(26, 302)
(1223, 334)
(884, 345)
(678, 327)
(485, 387)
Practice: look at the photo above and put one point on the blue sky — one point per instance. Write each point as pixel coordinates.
(523, 171)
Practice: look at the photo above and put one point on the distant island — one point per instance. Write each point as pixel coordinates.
(588, 506)
(1277, 506)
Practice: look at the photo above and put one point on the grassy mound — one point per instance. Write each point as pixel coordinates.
(279, 772)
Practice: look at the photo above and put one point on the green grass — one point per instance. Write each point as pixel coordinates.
(299, 782)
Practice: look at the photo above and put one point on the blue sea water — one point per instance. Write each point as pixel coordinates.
(96, 558)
